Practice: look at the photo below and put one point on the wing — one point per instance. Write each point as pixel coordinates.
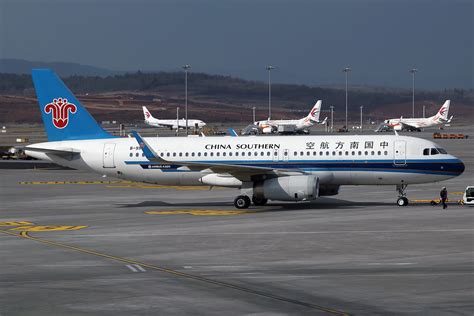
(239, 171)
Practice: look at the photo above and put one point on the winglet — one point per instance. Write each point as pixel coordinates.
(232, 132)
(150, 154)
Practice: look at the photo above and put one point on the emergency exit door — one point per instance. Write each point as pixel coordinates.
(399, 153)
(109, 156)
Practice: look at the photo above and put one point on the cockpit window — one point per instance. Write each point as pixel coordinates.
(426, 152)
(434, 151)
(442, 150)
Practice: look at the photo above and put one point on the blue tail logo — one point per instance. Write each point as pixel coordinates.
(63, 115)
(60, 110)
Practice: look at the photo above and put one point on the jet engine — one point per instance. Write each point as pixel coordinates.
(290, 188)
(267, 130)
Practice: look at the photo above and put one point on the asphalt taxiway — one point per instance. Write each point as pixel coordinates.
(75, 243)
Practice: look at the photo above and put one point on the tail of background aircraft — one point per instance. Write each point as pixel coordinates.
(147, 114)
(63, 115)
(315, 112)
(443, 111)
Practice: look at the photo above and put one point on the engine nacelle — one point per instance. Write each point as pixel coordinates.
(267, 130)
(220, 180)
(290, 188)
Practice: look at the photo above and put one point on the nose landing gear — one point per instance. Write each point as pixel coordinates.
(402, 199)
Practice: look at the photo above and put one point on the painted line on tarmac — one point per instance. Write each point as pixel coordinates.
(46, 228)
(135, 268)
(21, 223)
(260, 293)
(162, 187)
(200, 212)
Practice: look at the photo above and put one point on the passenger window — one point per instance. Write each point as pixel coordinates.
(308, 153)
(314, 153)
(218, 154)
(237, 153)
(262, 153)
(340, 153)
(327, 153)
(333, 153)
(131, 154)
(205, 154)
(347, 153)
(230, 154)
(268, 153)
(359, 153)
(136, 155)
(167, 154)
(426, 152)
(223, 154)
(192, 154)
(212, 154)
(302, 153)
(181, 154)
(249, 154)
(366, 153)
(296, 153)
(321, 153)
(143, 155)
(434, 151)
(385, 153)
(353, 153)
(255, 153)
(379, 152)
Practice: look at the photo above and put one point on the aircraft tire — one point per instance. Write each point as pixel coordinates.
(242, 201)
(402, 201)
(257, 201)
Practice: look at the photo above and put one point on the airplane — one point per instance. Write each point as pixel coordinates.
(416, 124)
(269, 126)
(277, 168)
(172, 124)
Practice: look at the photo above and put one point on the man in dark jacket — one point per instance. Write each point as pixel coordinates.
(443, 194)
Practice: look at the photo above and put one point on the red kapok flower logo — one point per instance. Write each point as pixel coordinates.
(60, 109)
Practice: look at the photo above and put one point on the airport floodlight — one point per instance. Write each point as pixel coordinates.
(346, 71)
(253, 114)
(270, 68)
(361, 107)
(186, 67)
(332, 117)
(413, 72)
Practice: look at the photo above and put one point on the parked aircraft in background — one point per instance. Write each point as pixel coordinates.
(171, 124)
(416, 124)
(284, 168)
(270, 126)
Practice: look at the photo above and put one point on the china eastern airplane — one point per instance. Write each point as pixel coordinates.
(172, 124)
(278, 168)
(416, 124)
(269, 126)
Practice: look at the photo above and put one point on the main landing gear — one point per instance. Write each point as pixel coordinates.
(402, 199)
(243, 201)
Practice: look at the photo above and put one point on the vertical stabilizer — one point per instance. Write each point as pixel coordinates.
(63, 115)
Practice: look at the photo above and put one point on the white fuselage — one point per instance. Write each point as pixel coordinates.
(396, 124)
(174, 124)
(371, 160)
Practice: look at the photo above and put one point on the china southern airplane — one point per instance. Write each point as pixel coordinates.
(172, 124)
(269, 126)
(281, 168)
(416, 124)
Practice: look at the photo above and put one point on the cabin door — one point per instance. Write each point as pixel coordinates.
(109, 155)
(399, 153)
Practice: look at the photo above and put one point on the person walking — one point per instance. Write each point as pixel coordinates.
(443, 194)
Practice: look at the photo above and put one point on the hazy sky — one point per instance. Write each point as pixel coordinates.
(308, 41)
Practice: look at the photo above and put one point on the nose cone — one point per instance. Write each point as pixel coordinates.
(458, 167)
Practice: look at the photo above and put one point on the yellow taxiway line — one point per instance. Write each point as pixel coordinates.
(24, 234)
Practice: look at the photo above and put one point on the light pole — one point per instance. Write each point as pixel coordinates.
(361, 107)
(269, 68)
(413, 71)
(332, 116)
(177, 121)
(346, 71)
(424, 110)
(186, 67)
(253, 114)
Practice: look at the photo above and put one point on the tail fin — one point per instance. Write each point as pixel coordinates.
(147, 113)
(63, 115)
(443, 111)
(315, 112)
